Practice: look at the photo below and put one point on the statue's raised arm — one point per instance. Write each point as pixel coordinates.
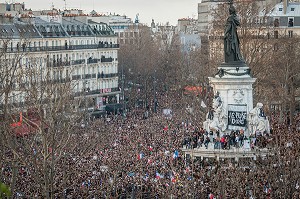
(231, 40)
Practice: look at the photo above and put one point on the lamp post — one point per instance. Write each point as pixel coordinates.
(85, 102)
(123, 93)
(154, 89)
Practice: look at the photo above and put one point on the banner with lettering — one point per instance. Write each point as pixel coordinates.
(237, 116)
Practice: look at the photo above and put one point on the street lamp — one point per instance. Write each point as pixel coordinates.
(154, 89)
(123, 93)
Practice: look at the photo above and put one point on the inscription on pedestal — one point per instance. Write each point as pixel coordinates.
(237, 116)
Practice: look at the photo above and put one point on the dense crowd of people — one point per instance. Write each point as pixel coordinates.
(236, 139)
(140, 157)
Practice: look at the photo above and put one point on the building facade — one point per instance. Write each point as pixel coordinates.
(207, 9)
(66, 47)
(124, 27)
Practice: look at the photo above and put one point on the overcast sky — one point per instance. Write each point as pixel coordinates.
(160, 10)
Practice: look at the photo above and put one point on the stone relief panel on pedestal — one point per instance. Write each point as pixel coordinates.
(238, 96)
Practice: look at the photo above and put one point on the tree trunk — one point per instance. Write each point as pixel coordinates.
(45, 170)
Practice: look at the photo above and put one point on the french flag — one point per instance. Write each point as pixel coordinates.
(173, 179)
(166, 128)
(140, 156)
(176, 154)
(150, 148)
(146, 177)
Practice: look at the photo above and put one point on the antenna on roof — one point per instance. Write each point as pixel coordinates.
(65, 4)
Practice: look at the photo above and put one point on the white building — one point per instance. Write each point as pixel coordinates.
(71, 48)
(124, 27)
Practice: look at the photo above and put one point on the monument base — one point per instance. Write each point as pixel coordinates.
(233, 87)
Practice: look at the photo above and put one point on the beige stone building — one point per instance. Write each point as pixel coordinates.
(65, 47)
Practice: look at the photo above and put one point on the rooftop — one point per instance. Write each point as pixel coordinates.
(293, 9)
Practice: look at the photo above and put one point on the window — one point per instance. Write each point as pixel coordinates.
(280, 9)
(291, 22)
(183, 40)
(276, 34)
(276, 22)
(292, 9)
(290, 33)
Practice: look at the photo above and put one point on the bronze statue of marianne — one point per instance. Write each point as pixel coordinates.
(231, 40)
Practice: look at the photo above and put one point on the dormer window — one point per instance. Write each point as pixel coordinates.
(280, 9)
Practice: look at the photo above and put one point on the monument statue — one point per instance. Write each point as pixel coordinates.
(231, 40)
(216, 119)
(258, 122)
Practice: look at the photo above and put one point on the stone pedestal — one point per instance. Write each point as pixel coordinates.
(234, 83)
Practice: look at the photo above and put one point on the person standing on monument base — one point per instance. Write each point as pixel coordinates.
(231, 40)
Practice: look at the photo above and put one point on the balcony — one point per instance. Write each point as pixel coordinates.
(102, 75)
(77, 62)
(76, 77)
(92, 61)
(57, 48)
(87, 76)
(99, 91)
(58, 64)
(107, 45)
(103, 59)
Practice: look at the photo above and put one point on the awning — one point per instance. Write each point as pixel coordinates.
(22, 130)
(193, 90)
